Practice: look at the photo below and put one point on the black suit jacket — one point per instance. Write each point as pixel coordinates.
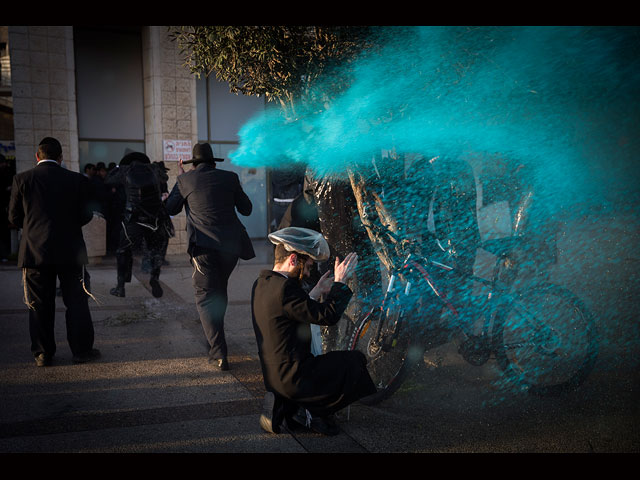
(282, 314)
(210, 197)
(50, 204)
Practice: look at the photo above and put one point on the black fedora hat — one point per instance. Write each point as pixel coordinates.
(202, 153)
(131, 156)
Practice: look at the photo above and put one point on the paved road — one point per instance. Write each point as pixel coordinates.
(153, 391)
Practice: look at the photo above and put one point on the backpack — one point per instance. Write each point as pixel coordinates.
(142, 187)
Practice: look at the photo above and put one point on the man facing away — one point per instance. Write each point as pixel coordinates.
(301, 387)
(217, 238)
(145, 218)
(51, 204)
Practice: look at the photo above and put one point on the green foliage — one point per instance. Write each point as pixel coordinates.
(283, 63)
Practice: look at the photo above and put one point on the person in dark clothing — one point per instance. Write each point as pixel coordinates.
(98, 194)
(164, 193)
(101, 170)
(286, 184)
(217, 238)
(89, 170)
(50, 204)
(145, 218)
(303, 211)
(301, 387)
(117, 199)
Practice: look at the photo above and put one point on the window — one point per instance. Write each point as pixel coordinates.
(109, 92)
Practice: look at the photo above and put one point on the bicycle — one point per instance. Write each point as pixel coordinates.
(543, 337)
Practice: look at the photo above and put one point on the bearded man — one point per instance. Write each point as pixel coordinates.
(303, 388)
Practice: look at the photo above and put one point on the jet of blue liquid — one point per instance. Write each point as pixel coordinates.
(562, 100)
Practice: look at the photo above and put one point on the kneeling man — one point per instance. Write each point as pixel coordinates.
(302, 387)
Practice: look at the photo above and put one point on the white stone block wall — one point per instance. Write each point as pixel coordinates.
(169, 108)
(43, 90)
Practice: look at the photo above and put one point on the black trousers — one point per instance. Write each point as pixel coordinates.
(323, 384)
(40, 295)
(211, 272)
(131, 237)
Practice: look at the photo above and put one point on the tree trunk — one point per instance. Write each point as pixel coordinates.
(372, 210)
(340, 224)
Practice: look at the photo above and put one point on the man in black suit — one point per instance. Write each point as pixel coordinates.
(301, 387)
(50, 204)
(217, 238)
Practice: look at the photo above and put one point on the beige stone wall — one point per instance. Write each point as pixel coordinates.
(43, 90)
(169, 108)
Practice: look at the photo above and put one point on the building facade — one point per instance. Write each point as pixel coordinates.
(102, 90)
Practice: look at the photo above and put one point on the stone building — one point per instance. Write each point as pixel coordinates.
(103, 89)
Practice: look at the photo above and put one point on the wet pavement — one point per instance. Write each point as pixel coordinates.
(152, 390)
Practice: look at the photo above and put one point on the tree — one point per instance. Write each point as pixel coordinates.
(283, 63)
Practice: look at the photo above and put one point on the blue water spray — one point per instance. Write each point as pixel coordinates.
(556, 107)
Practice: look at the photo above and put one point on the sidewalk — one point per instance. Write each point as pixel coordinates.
(152, 390)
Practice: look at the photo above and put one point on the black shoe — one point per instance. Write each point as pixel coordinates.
(220, 363)
(117, 291)
(266, 417)
(87, 357)
(323, 425)
(156, 289)
(43, 360)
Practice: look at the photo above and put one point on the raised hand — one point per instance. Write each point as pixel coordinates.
(323, 286)
(344, 270)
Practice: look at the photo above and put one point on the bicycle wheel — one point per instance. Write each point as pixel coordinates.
(546, 340)
(388, 366)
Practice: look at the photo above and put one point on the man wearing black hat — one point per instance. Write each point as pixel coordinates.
(145, 218)
(50, 204)
(217, 238)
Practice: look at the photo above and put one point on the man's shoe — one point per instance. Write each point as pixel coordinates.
(87, 357)
(117, 291)
(156, 289)
(266, 417)
(43, 360)
(220, 363)
(323, 425)
(223, 364)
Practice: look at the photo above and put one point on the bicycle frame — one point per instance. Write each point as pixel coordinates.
(421, 270)
(425, 269)
(422, 291)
